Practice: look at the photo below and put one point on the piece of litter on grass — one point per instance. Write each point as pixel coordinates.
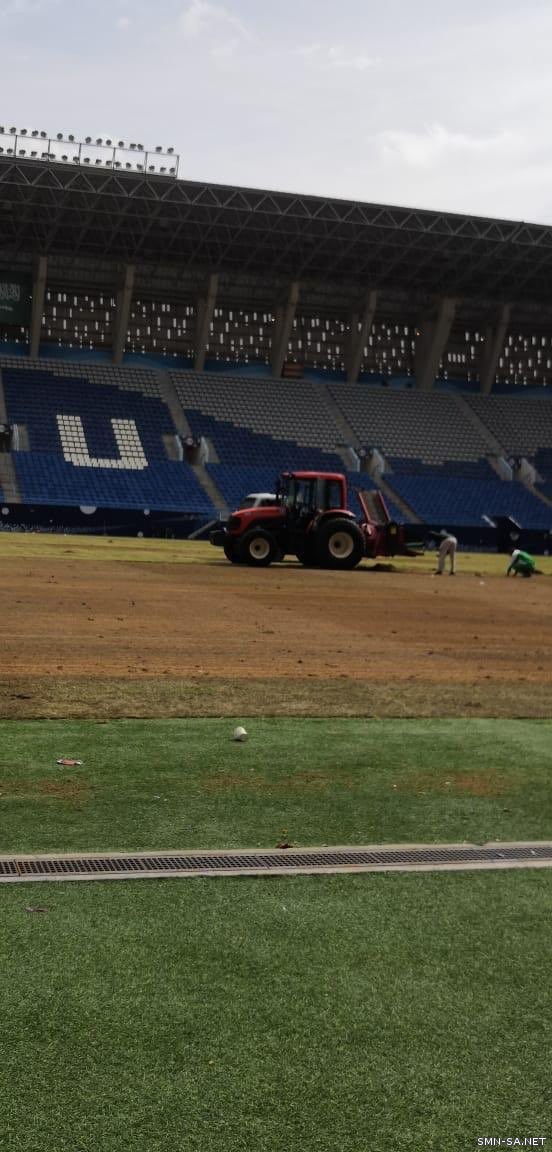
(35, 908)
(68, 762)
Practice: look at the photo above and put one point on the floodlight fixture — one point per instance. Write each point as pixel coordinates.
(108, 143)
(151, 168)
(133, 146)
(23, 132)
(71, 139)
(65, 158)
(59, 136)
(99, 140)
(159, 148)
(127, 165)
(88, 140)
(170, 151)
(13, 131)
(34, 132)
(43, 135)
(140, 147)
(86, 160)
(98, 162)
(121, 144)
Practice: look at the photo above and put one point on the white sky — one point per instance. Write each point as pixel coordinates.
(428, 103)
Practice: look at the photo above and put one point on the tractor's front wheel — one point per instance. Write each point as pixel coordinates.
(340, 544)
(258, 548)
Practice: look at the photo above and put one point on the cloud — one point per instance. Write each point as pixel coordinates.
(333, 56)
(14, 8)
(123, 22)
(436, 143)
(201, 18)
(22, 7)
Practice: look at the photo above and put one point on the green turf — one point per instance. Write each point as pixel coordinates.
(315, 1014)
(184, 783)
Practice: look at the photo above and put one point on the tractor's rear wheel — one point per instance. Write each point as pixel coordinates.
(340, 544)
(258, 548)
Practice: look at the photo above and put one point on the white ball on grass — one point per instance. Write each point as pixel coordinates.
(240, 734)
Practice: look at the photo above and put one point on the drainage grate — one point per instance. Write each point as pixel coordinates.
(375, 858)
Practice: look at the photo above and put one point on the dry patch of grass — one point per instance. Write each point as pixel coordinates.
(133, 550)
(66, 789)
(48, 698)
(297, 782)
(470, 784)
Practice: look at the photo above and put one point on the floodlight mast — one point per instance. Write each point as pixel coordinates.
(22, 143)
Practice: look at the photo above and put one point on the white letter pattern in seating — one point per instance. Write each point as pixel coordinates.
(75, 449)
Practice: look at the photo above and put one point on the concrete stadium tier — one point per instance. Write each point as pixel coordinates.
(431, 427)
(522, 424)
(300, 411)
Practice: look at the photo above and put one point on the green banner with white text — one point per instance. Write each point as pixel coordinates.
(15, 300)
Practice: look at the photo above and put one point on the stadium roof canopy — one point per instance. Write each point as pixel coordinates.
(102, 215)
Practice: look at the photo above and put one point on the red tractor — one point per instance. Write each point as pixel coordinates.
(311, 521)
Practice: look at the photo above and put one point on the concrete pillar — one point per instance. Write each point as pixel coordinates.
(361, 323)
(494, 343)
(285, 315)
(122, 314)
(204, 314)
(37, 310)
(431, 341)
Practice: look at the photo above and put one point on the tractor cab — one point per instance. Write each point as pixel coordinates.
(306, 494)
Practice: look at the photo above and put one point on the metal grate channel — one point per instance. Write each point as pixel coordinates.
(378, 857)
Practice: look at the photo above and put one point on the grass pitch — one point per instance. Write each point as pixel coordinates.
(179, 784)
(334, 1014)
(399, 1013)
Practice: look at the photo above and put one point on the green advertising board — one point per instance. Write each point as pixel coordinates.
(15, 300)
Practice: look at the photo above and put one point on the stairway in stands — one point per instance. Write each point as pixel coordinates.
(180, 421)
(8, 479)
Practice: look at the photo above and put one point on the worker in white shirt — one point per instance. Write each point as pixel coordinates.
(447, 547)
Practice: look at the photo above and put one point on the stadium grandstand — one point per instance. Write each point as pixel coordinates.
(168, 345)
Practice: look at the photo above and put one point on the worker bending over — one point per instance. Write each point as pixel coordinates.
(521, 562)
(447, 547)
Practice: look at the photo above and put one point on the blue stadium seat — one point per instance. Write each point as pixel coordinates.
(36, 398)
(438, 497)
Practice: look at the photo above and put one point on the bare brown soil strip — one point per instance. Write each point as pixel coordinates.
(105, 639)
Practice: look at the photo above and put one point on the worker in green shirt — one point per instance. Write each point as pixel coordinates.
(521, 562)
